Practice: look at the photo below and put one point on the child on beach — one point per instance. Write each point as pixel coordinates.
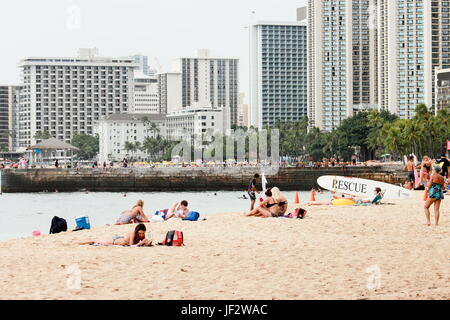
(134, 238)
(135, 215)
(436, 195)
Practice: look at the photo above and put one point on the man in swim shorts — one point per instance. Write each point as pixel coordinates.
(410, 167)
(252, 190)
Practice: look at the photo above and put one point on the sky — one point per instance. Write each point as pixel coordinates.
(162, 29)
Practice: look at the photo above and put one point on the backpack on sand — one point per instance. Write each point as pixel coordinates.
(58, 225)
(173, 238)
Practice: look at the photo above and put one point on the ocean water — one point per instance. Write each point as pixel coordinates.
(21, 214)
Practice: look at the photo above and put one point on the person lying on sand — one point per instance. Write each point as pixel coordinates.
(135, 215)
(134, 238)
(268, 208)
(376, 198)
(178, 210)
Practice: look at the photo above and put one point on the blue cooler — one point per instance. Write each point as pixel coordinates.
(83, 222)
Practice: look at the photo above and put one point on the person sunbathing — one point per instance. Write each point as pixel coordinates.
(376, 198)
(268, 208)
(280, 199)
(134, 238)
(178, 210)
(135, 215)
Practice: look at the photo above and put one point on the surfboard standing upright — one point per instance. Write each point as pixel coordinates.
(362, 187)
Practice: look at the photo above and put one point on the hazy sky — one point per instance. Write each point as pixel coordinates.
(164, 29)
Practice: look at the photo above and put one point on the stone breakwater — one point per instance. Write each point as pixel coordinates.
(180, 179)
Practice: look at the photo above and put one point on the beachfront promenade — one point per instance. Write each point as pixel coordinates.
(181, 179)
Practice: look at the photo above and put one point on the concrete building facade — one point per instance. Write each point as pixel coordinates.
(170, 92)
(342, 65)
(414, 42)
(146, 94)
(66, 95)
(278, 72)
(117, 129)
(209, 81)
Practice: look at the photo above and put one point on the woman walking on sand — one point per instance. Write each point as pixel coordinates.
(435, 192)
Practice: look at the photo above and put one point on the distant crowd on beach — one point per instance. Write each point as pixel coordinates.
(307, 162)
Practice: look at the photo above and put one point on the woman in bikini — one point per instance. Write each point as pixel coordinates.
(268, 208)
(435, 192)
(135, 215)
(280, 199)
(134, 238)
(425, 168)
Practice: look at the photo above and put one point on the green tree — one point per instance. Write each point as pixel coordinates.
(42, 135)
(88, 145)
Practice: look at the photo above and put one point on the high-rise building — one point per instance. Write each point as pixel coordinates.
(278, 72)
(9, 106)
(209, 81)
(414, 41)
(442, 83)
(66, 95)
(146, 99)
(4, 118)
(170, 92)
(342, 65)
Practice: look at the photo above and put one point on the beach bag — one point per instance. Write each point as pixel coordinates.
(298, 213)
(192, 216)
(173, 238)
(58, 225)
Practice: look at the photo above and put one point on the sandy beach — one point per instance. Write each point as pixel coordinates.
(376, 252)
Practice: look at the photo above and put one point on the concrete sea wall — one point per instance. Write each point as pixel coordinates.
(178, 179)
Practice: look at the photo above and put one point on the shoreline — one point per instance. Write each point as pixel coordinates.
(332, 254)
(182, 179)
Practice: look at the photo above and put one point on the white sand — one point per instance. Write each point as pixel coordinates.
(229, 256)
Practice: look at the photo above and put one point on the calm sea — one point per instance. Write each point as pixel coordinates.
(21, 214)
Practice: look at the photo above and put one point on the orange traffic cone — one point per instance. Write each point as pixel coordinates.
(296, 199)
(313, 195)
(425, 195)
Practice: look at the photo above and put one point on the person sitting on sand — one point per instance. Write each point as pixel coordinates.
(268, 208)
(376, 198)
(435, 192)
(280, 199)
(178, 210)
(135, 215)
(134, 238)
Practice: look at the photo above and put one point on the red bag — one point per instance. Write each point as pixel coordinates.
(174, 238)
